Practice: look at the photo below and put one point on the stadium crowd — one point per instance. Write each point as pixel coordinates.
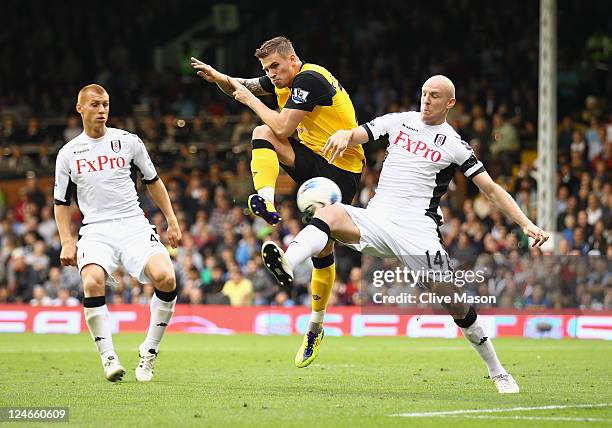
(199, 141)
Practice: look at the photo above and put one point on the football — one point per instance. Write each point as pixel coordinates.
(317, 193)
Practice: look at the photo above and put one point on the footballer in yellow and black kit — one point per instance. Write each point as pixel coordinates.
(314, 105)
(329, 107)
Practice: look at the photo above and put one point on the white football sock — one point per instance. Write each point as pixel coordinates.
(267, 193)
(482, 344)
(316, 321)
(309, 242)
(99, 323)
(317, 316)
(161, 313)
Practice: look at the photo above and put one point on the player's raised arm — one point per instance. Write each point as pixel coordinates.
(341, 140)
(211, 75)
(283, 124)
(508, 206)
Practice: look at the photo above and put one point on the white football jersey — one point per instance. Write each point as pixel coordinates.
(420, 163)
(100, 173)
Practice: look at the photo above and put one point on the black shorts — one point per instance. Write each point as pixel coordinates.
(308, 165)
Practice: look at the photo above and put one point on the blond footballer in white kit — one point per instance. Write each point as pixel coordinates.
(96, 169)
(402, 218)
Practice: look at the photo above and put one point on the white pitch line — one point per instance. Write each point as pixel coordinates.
(509, 409)
(537, 418)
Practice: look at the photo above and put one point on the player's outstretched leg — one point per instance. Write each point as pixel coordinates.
(98, 320)
(265, 169)
(159, 270)
(310, 242)
(474, 332)
(323, 277)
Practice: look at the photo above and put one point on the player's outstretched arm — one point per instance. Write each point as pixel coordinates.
(211, 75)
(68, 255)
(338, 143)
(508, 206)
(158, 192)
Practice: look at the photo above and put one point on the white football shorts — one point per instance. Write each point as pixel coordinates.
(129, 242)
(410, 237)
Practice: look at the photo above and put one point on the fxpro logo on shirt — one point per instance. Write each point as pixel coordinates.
(101, 163)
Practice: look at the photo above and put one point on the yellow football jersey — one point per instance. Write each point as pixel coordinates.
(329, 109)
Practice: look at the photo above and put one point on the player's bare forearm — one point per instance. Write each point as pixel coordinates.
(506, 204)
(160, 197)
(62, 219)
(275, 120)
(252, 85)
(158, 192)
(358, 136)
(68, 253)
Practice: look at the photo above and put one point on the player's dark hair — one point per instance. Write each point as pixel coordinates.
(280, 45)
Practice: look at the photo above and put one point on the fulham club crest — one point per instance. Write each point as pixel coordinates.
(439, 140)
(116, 145)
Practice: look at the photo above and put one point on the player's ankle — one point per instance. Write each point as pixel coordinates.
(267, 193)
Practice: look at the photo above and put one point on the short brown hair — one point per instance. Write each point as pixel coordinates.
(90, 88)
(280, 45)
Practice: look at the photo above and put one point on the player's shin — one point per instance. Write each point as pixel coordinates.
(323, 277)
(265, 168)
(98, 321)
(162, 308)
(474, 332)
(310, 241)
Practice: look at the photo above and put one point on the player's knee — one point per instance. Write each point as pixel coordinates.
(164, 280)
(93, 285)
(329, 249)
(331, 214)
(263, 132)
(457, 310)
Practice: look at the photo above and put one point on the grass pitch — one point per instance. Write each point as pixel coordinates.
(251, 381)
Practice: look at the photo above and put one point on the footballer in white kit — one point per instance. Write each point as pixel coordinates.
(97, 169)
(402, 218)
(99, 172)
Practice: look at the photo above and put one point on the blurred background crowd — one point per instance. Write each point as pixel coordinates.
(199, 139)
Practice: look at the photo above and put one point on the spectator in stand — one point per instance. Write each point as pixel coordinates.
(238, 288)
(241, 134)
(65, 299)
(505, 144)
(214, 290)
(21, 277)
(73, 128)
(39, 297)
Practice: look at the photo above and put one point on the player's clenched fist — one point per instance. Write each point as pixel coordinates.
(68, 256)
(207, 72)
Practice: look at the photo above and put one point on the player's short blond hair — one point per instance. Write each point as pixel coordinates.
(280, 45)
(85, 90)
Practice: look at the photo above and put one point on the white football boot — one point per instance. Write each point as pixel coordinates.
(113, 370)
(146, 365)
(505, 384)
